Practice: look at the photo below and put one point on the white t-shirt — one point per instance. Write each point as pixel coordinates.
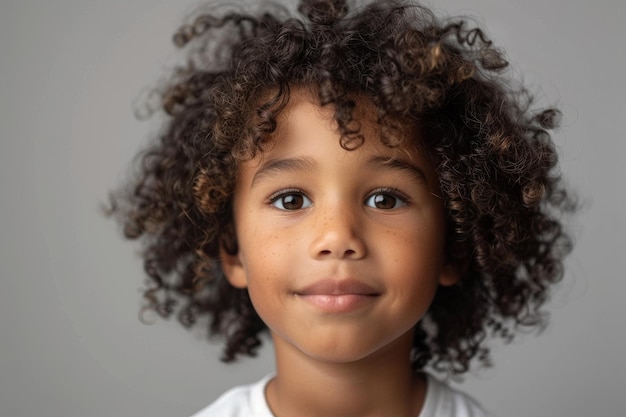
(249, 401)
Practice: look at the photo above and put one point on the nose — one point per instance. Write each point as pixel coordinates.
(338, 234)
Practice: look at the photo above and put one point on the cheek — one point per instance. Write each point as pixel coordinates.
(267, 261)
(262, 285)
(419, 258)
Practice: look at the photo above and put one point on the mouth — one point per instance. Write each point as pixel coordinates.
(338, 296)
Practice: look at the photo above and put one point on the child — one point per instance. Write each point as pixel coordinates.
(364, 185)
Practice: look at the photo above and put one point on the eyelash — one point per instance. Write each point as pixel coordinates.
(390, 191)
(275, 197)
(401, 197)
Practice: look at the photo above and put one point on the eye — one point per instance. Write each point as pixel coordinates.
(290, 200)
(386, 200)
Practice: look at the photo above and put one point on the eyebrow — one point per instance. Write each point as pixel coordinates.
(275, 166)
(398, 164)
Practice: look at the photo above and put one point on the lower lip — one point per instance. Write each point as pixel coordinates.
(338, 303)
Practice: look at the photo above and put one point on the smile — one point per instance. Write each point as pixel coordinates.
(338, 296)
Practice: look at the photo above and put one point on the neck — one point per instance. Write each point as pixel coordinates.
(382, 384)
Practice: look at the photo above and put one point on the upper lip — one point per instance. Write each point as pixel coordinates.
(338, 287)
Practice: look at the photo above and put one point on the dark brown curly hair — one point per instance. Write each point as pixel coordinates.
(494, 156)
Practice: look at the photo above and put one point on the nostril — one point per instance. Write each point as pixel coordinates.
(337, 246)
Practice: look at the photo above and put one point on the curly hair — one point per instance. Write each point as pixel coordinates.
(493, 154)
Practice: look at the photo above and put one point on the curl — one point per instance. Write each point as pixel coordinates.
(442, 81)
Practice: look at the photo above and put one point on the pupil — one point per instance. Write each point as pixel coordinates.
(292, 201)
(383, 201)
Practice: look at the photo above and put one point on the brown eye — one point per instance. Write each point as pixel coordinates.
(291, 201)
(385, 201)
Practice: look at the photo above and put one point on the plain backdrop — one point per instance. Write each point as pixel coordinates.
(70, 340)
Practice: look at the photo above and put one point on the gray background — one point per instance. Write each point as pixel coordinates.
(70, 340)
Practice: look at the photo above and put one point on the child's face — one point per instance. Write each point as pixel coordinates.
(341, 251)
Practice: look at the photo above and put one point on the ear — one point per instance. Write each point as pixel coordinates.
(451, 274)
(233, 268)
(457, 264)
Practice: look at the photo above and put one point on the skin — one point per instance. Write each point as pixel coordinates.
(342, 253)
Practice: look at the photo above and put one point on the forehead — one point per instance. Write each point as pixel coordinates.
(355, 124)
(303, 128)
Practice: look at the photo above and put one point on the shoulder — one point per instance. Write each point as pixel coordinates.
(243, 401)
(444, 401)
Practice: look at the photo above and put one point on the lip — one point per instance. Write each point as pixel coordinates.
(338, 296)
